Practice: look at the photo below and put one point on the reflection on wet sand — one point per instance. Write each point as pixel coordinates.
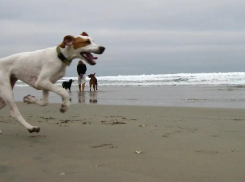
(81, 97)
(92, 97)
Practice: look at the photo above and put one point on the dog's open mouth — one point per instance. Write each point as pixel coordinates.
(89, 58)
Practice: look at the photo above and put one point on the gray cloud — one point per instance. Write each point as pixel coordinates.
(140, 36)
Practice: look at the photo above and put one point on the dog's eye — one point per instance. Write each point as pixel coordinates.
(88, 42)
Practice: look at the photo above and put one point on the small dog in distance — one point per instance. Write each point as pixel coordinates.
(67, 85)
(93, 81)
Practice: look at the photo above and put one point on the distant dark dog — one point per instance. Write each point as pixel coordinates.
(93, 81)
(67, 85)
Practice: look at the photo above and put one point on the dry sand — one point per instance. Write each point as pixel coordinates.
(96, 143)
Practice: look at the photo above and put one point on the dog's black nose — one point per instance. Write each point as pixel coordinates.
(102, 49)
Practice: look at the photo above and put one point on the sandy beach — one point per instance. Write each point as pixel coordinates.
(98, 143)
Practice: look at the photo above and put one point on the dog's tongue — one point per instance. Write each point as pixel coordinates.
(91, 56)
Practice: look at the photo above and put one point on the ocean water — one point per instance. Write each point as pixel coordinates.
(216, 90)
(232, 78)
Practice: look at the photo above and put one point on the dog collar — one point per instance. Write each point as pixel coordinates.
(62, 57)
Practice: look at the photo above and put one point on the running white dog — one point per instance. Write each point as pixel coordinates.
(41, 69)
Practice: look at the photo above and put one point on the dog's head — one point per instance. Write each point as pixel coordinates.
(81, 47)
(91, 75)
(71, 81)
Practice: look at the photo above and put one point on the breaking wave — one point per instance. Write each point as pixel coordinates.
(230, 78)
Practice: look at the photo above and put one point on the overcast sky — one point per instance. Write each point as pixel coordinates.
(140, 36)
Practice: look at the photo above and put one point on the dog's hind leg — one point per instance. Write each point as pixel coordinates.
(2, 102)
(6, 94)
(32, 100)
(12, 82)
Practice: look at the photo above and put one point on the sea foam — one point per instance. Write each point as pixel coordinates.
(230, 78)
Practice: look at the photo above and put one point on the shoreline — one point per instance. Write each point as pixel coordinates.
(184, 96)
(93, 142)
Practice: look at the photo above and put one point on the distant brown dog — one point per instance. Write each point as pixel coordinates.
(93, 81)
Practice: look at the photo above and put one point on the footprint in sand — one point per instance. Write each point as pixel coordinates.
(207, 152)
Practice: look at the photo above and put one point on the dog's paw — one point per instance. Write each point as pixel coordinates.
(34, 129)
(63, 108)
(29, 99)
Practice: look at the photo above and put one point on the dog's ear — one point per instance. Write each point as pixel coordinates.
(67, 41)
(84, 34)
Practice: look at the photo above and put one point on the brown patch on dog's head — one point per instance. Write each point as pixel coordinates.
(84, 34)
(76, 42)
(80, 42)
(68, 40)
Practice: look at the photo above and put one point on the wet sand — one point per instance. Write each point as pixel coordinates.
(98, 143)
(174, 96)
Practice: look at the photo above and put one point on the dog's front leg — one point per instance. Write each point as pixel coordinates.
(47, 85)
(32, 99)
